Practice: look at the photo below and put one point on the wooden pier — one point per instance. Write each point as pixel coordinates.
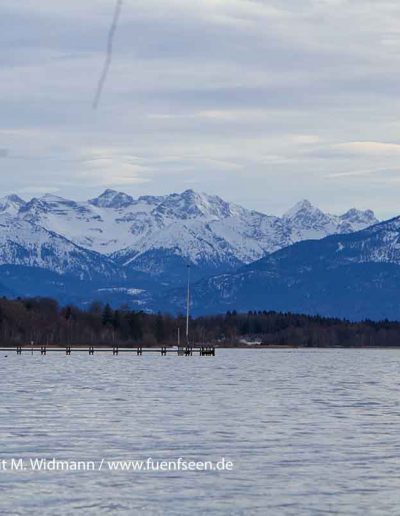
(187, 351)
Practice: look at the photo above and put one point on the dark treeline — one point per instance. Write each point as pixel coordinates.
(44, 322)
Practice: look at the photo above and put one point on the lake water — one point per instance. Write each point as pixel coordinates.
(308, 432)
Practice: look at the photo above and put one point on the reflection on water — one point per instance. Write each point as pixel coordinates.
(309, 432)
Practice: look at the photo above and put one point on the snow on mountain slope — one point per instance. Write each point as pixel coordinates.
(198, 228)
(112, 199)
(231, 241)
(356, 220)
(204, 228)
(353, 275)
(27, 244)
(379, 243)
(104, 224)
(11, 204)
(308, 222)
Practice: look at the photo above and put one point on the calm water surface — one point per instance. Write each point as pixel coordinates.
(309, 432)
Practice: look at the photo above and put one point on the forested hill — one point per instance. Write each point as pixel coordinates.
(44, 322)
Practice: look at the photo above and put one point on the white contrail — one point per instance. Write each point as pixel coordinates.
(107, 62)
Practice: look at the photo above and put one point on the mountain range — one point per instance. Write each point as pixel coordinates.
(354, 276)
(204, 230)
(120, 249)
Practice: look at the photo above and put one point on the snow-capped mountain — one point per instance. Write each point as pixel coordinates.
(112, 199)
(354, 275)
(105, 224)
(26, 244)
(149, 240)
(200, 229)
(308, 222)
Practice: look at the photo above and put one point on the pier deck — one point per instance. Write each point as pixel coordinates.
(115, 350)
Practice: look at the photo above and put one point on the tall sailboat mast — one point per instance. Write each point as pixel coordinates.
(188, 305)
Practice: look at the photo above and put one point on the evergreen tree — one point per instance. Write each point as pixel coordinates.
(135, 326)
(107, 316)
(159, 329)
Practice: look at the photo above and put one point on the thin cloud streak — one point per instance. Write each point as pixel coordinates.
(108, 60)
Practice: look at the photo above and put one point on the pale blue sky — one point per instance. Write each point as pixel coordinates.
(262, 102)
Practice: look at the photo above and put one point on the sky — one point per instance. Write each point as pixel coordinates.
(263, 102)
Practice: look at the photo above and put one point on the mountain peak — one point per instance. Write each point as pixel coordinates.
(354, 215)
(300, 207)
(112, 199)
(11, 204)
(14, 198)
(194, 205)
(188, 193)
(52, 198)
(357, 219)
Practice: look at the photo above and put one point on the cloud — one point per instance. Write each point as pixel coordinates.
(258, 101)
(369, 148)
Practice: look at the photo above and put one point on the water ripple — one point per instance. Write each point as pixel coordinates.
(309, 432)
